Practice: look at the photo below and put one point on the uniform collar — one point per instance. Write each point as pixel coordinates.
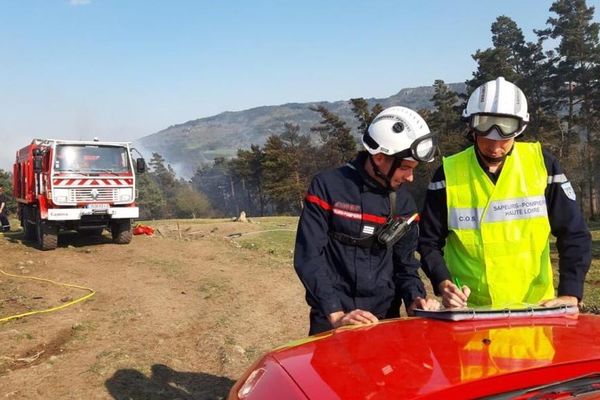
(369, 184)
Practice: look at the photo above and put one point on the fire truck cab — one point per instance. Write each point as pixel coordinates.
(86, 186)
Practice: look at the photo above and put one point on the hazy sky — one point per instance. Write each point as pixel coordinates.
(123, 69)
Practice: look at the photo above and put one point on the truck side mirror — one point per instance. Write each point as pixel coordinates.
(140, 165)
(37, 160)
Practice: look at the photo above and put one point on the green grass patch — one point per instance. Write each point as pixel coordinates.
(276, 237)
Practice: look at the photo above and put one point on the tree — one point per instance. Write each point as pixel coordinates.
(190, 203)
(363, 115)
(151, 200)
(247, 168)
(287, 168)
(445, 118)
(574, 82)
(165, 178)
(6, 182)
(339, 146)
(215, 181)
(445, 121)
(534, 69)
(504, 58)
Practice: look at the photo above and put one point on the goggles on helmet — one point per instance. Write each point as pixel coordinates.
(507, 126)
(423, 149)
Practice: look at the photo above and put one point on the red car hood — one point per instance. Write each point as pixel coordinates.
(423, 358)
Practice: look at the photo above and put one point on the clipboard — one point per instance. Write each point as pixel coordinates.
(519, 311)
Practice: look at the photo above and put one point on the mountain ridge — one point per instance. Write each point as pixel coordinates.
(187, 145)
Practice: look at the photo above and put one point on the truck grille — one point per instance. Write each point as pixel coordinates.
(102, 195)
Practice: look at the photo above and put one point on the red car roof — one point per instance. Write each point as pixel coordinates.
(423, 358)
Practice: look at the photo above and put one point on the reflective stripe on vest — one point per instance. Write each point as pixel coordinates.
(500, 210)
(498, 234)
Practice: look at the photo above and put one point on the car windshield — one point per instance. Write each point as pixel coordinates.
(585, 387)
(91, 158)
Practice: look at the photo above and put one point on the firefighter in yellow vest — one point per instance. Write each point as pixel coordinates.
(490, 209)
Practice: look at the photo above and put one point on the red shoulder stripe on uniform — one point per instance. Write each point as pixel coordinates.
(321, 203)
(376, 219)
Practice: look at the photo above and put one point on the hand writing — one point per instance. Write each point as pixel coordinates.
(452, 295)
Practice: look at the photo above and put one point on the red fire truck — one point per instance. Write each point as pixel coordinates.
(86, 186)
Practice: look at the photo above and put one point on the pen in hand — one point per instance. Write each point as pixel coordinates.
(457, 282)
(463, 290)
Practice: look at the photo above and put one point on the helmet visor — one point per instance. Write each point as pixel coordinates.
(422, 149)
(507, 126)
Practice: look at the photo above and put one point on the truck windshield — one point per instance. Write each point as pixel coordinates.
(91, 158)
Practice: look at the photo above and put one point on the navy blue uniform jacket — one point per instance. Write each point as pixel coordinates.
(342, 277)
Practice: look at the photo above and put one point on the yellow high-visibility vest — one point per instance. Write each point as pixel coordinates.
(498, 234)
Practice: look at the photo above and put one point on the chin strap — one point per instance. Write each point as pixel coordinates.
(387, 178)
(491, 160)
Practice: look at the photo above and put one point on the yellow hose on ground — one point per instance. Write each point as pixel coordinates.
(70, 303)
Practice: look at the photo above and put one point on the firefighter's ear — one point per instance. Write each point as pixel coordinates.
(379, 159)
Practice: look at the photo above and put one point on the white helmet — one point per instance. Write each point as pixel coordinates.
(497, 110)
(402, 132)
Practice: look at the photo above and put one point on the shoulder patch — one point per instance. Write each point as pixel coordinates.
(568, 189)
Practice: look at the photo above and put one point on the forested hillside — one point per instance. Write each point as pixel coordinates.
(188, 145)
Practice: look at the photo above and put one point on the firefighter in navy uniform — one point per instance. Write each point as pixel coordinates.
(357, 235)
(3, 211)
(490, 209)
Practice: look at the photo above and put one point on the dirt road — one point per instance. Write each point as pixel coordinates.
(178, 315)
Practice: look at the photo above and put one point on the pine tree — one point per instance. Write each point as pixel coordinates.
(215, 181)
(534, 68)
(287, 168)
(339, 146)
(504, 58)
(363, 115)
(445, 121)
(247, 169)
(165, 178)
(445, 118)
(574, 83)
(150, 200)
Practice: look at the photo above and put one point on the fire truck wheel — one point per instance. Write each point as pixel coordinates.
(121, 232)
(47, 236)
(28, 228)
